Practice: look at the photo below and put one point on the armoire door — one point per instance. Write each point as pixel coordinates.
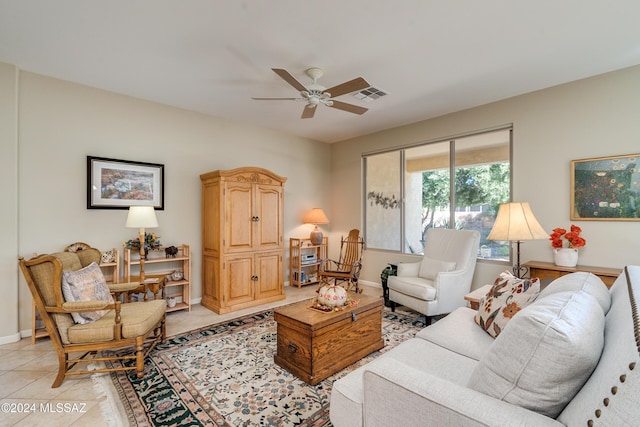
(239, 279)
(269, 273)
(239, 217)
(269, 215)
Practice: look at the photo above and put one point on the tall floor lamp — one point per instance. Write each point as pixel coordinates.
(141, 217)
(515, 223)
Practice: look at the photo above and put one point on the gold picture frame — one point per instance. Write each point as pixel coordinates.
(606, 189)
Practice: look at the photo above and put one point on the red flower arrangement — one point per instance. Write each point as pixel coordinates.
(572, 237)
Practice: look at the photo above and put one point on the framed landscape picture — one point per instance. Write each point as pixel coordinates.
(118, 184)
(606, 188)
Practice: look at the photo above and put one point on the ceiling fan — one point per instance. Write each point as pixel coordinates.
(315, 94)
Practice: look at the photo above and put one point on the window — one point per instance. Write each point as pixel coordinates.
(456, 183)
(383, 219)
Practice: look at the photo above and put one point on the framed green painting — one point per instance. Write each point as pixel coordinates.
(606, 189)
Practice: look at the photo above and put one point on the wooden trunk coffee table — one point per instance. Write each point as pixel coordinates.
(314, 345)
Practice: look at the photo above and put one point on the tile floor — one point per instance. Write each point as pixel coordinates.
(27, 372)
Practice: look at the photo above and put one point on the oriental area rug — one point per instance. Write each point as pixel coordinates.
(224, 375)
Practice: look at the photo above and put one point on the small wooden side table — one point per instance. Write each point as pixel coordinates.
(548, 270)
(152, 283)
(474, 297)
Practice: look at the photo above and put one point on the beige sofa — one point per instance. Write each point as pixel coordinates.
(569, 358)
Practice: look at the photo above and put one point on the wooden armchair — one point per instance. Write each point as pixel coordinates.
(347, 268)
(139, 325)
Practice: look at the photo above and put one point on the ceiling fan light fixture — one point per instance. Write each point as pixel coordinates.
(315, 94)
(314, 100)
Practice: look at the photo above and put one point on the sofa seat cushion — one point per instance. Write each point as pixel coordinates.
(545, 354)
(347, 393)
(417, 287)
(138, 318)
(457, 332)
(508, 295)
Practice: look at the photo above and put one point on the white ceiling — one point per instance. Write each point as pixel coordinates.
(431, 56)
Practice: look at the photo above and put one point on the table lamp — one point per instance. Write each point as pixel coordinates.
(316, 216)
(141, 217)
(515, 223)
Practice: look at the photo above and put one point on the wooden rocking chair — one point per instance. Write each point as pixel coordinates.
(347, 268)
(139, 326)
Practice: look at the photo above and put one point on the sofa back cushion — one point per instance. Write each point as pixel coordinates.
(545, 354)
(581, 281)
(610, 397)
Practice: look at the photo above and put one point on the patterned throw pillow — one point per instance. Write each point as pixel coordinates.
(507, 296)
(87, 284)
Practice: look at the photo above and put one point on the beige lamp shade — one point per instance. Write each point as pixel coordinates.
(141, 217)
(316, 216)
(516, 221)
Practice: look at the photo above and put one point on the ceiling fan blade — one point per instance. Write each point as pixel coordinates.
(348, 107)
(287, 77)
(307, 113)
(348, 87)
(276, 99)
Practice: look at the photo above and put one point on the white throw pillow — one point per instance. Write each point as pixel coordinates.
(545, 355)
(86, 284)
(429, 267)
(507, 296)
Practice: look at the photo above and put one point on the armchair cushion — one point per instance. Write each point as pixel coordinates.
(86, 284)
(137, 319)
(507, 296)
(429, 267)
(553, 345)
(417, 287)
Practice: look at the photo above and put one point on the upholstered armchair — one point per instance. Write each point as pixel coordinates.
(437, 284)
(79, 322)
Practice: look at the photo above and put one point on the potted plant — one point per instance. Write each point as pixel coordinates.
(566, 256)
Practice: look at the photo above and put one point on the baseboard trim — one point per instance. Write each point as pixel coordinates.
(11, 338)
(372, 284)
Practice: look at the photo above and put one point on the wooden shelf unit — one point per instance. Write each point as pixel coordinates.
(37, 326)
(304, 261)
(180, 289)
(548, 270)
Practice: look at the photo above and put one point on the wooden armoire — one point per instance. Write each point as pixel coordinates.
(242, 238)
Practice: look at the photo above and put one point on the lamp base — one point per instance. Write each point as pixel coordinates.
(316, 236)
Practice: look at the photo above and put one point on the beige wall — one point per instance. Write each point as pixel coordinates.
(9, 197)
(587, 118)
(60, 123)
